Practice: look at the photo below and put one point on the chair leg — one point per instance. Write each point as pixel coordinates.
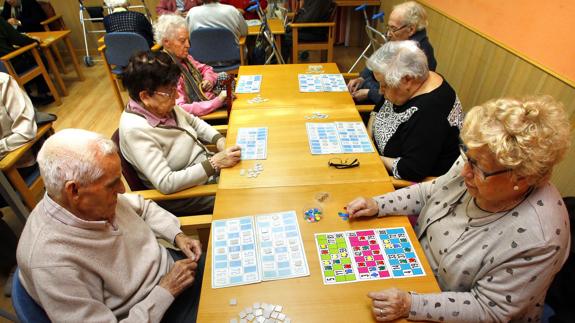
(294, 54)
(117, 93)
(56, 53)
(47, 78)
(20, 186)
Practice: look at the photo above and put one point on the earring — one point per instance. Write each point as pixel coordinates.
(516, 188)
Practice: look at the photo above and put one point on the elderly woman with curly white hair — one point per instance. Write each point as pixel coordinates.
(416, 127)
(200, 89)
(494, 229)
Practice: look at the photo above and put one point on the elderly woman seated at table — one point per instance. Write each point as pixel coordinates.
(494, 229)
(416, 127)
(199, 87)
(123, 20)
(165, 144)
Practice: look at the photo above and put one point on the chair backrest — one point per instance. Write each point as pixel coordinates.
(214, 46)
(128, 170)
(120, 46)
(27, 310)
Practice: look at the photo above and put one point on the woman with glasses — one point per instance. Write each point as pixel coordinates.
(200, 89)
(407, 21)
(416, 127)
(164, 143)
(494, 229)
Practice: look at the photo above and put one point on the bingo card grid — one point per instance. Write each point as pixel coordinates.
(353, 137)
(321, 83)
(282, 253)
(234, 257)
(253, 142)
(323, 138)
(368, 262)
(249, 84)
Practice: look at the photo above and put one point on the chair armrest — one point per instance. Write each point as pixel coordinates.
(18, 52)
(195, 221)
(12, 157)
(401, 183)
(50, 20)
(290, 15)
(196, 191)
(101, 41)
(365, 108)
(102, 48)
(311, 24)
(349, 76)
(215, 115)
(156, 48)
(242, 41)
(222, 129)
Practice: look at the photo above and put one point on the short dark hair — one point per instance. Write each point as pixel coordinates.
(147, 71)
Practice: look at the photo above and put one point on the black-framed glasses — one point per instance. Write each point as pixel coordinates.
(391, 30)
(483, 175)
(342, 164)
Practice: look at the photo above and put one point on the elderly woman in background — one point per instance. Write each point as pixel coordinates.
(197, 85)
(407, 21)
(165, 144)
(123, 20)
(494, 229)
(416, 128)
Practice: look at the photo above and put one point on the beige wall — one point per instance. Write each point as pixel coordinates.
(479, 70)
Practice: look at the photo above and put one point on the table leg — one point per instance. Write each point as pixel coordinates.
(279, 43)
(54, 69)
(74, 58)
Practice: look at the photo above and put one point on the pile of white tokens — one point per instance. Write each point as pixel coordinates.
(262, 313)
(257, 99)
(317, 115)
(315, 69)
(253, 172)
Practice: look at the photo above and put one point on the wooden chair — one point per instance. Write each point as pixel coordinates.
(53, 22)
(29, 193)
(33, 72)
(326, 45)
(200, 223)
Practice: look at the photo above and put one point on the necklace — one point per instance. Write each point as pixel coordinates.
(508, 207)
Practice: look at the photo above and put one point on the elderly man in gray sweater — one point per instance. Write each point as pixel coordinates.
(89, 252)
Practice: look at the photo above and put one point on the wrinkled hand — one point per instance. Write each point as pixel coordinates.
(228, 157)
(13, 21)
(360, 95)
(206, 85)
(221, 144)
(180, 277)
(362, 206)
(190, 247)
(390, 304)
(354, 84)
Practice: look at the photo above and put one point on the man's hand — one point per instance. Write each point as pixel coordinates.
(360, 95)
(354, 84)
(180, 277)
(206, 85)
(390, 304)
(14, 22)
(228, 157)
(362, 206)
(190, 247)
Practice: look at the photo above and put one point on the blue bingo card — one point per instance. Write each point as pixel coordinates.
(321, 83)
(400, 253)
(337, 138)
(234, 255)
(249, 84)
(281, 249)
(254, 142)
(353, 138)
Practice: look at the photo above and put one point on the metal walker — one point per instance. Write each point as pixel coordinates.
(266, 33)
(376, 38)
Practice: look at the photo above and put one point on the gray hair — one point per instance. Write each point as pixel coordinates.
(412, 14)
(166, 27)
(72, 155)
(116, 3)
(398, 59)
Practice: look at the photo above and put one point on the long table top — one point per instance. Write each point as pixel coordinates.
(306, 299)
(289, 160)
(281, 86)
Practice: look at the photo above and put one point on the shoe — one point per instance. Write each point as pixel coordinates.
(41, 100)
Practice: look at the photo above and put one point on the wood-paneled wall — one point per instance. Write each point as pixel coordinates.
(480, 70)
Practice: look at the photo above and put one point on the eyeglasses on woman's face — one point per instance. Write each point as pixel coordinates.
(477, 171)
(172, 94)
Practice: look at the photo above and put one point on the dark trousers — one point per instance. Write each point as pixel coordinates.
(185, 306)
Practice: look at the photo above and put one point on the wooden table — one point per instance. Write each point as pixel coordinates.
(48, 39)
(281, 86)
(289, 160)
(306, 299)
(276, 27)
